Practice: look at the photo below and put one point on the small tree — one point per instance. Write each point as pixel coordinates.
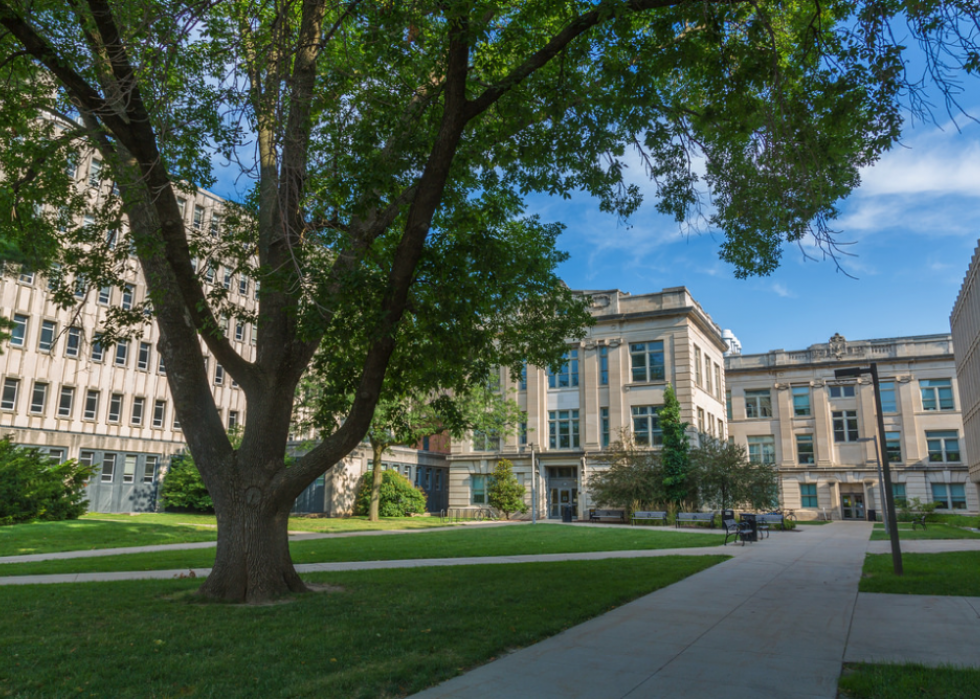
(724, 477)
(183, 488)
(504, 492)
(675, 451)
(397, 497)
(33, 487)
(635, 475)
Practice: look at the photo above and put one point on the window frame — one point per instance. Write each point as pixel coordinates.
(654, 362)
(108, 459)
(765, 456)
(937, 401)
(93, 397)
(114, 413)
(136, 411)
(844, 425)
(801, 392)
(11, 385)
(159, 408)
(808, 497)
(759, 407)
(46, 337)
(801, 441)
(945, 437)
(651, 433)
(568, 375)
(69, 392)
(18, 332)
(33, 408)
(569, 420)
(73, 342)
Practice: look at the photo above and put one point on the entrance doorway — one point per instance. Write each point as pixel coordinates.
(562, 490)
(852, 506)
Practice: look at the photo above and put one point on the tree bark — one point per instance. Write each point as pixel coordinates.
(376, 477)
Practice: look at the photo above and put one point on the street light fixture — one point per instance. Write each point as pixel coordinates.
(891, 522)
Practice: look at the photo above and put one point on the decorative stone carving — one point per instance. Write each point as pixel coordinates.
(600, 301)
(819, 383)
(781, 386)
(590, 344)
(615, 342)
(904, 379)
(838, 345)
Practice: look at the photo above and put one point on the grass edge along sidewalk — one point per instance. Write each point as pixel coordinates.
(937, 530)
(907, 681)
(461, 543)
(381, 633)
(952, 573)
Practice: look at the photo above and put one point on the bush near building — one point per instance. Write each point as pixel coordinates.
(183, 488)
(399, 497)
(33, 487)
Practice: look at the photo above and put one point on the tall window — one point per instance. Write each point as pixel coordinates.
(73, 342)
(804, 449)
(242, 284)
(150, 469)
(137, 414)
(563, 429)
(108, 467)
(66, 401)
(697, 365)
(226, 281)
(98, 351)
(949, 496)
(143, 359)
(522, 430)
(122, 352)
(728, 404)
(717, 381)
(478, 490)
(18, 333)
(91, 404)
(888, 402)
(105, 296)
(159, 413)
(115, 407)
(522, 382)
(95, 173)
(198, 217)
(646, 425)
(762, 449)
(845, 425)
(39, 397)
(758, 403)
(232, 419)
(219, 374)
(943, 446)
(127, 297)
(898, 493)
(801, 401)
(937, 394)
(239, 331)
(129, 468)
(604, 426)
(893, 446)
(9, 399)
(647, 361)
(215, 226)
(808, 494)
(707, 375)
(603, 366)
(842, 391)
(567, 376)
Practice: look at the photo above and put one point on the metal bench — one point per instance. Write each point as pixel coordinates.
(735, 530)
(645, 516)
(694, 518)
(599, 515)
(918, 521)
(763, 521)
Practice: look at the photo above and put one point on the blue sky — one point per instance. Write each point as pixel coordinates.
(914, 221)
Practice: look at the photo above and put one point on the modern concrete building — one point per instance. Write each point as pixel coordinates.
(614, 378)
(965, 324)
(787, 408)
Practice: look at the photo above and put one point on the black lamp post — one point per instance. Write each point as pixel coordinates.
(892, 522)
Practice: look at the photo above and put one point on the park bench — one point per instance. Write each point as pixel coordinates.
(599, 515)
(763, 521)
(918, 521)
(694, 518)
(645, 516)
(734, 529)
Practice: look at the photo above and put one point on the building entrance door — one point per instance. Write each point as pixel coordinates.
(852, 506)
(561, 497)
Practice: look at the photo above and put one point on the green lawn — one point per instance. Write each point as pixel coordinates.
(387, 633)
(459, 543)
(813, 522)
(296, 524)
(932, 531)
(908, 681)
(86, 534)
(954, 573)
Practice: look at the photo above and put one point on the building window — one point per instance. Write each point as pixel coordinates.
(893, 447)
(127, 297)
(232, 419)
(239, 331)
(888, 402)
(108, 467)
(18, 333)
(198, 217)
(226, 280)
(73, 342)
(9, 399)
(707, 375)
(808, 494)
(143, 359)
(758, 403)
(122, 352)
(728, 404)
(105, 296)
(801, 401)
(162, 367)
(219, 374)
(181, 206)
(522, 382)
(91, 404)
(845, 425)
(86, 458)
(567, 375)
(937, 394)
(603, 366)
(486, 441)
(209, 273)
(252, 338)
(604, 426)
(129, 468)
(26, 276)
(176, 423)
(697, 365)
(150, 469)
(762, 450)
(137, 414)
(804, 449)
(647, 361)
(45, 340)
(95, 173)
(522, 431)
(949, 496)
(898, 494)
(243, 285)
(98, 351)
(159, 413)
(66, 401)
(702, 427)
(842, 391)
(646, 425)
(39, 397)
(478, 489)
(215, 226)
(943, 446)
(563, 429)
(115, 407)
(717, 381)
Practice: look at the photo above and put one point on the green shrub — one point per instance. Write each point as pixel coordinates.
(399, 497)
(504, 493)
(914, 507)
(33, 487)
(183, 488)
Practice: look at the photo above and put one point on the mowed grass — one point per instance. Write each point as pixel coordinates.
(388, 633)
(328, 525)
(464, 542)
(87, 534)
(908, 681)
(932, 531)
(951, 573)
(813, 522)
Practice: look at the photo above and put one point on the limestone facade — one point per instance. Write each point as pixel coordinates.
(614, 378)
(965, 324)
(787, 407)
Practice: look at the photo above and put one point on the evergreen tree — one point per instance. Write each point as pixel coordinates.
(504, 492)
(675, 451)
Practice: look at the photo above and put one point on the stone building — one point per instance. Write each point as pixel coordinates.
(965, 324)
(612, 379)
(787, 408)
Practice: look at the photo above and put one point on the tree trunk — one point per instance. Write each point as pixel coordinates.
(376, 474)
(252, 563)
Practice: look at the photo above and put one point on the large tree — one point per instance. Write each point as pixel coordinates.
(387, 148)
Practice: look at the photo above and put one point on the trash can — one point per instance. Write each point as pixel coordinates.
(753, 529)
(566, 513)
(727, 514)
(872, 515)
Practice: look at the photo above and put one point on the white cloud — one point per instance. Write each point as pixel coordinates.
(783, 291)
